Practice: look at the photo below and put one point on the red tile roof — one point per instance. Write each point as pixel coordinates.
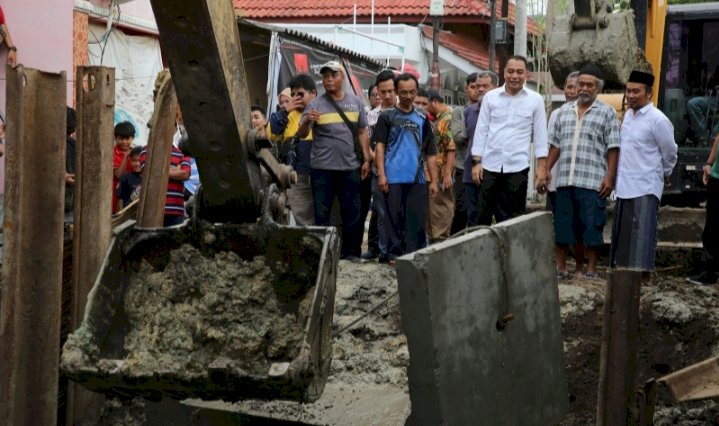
(463, 46)
(405, 11)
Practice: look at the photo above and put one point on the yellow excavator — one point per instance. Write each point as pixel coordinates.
(678, 44)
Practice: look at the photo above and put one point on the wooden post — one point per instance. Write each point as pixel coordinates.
(155, 174)
(618, 357)
(93, 206)
(33, 246)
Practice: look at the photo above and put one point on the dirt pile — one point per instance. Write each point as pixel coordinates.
(200, 309)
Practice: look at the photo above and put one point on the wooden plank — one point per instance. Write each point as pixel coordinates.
(93, 207)
(156, 172)
(30, 308)
(127, 213)
(618, 356)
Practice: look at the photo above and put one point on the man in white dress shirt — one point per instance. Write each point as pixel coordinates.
(648, 155)
(510, 119)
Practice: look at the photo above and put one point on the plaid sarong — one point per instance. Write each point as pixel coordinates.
(634, 233)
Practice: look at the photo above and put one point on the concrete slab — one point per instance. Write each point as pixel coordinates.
(463, 370)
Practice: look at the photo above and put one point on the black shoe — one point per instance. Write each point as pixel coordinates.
(383, 259)
(369, 254)
(705, 278)
(353, 259)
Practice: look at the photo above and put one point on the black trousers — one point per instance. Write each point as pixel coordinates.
(710, 236)
(503, 195)
(365, 197)
(459, 222)
(406, 217)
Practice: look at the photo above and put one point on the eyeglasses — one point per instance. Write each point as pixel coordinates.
(375, 95)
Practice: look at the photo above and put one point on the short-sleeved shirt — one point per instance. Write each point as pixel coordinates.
(445, 137)
(333, 145)
(175, 200)
(117, 157)
(583, 143)
(129, 188)
(407, 137)
(304, 146)
(460, 137)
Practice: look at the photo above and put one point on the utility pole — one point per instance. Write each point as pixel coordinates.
(492, 35)
(435, 52)
(520, 27)
(503, 49)
(436, 11)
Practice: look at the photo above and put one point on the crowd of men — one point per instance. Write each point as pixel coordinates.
(431, 170)
(428, 171)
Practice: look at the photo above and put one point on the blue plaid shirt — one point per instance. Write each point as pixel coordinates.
(583, 144)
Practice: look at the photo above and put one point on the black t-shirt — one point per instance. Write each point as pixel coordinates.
(128, 190)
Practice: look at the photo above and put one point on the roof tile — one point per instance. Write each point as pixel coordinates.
(314, 9)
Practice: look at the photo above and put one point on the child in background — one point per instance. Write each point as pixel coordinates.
(128, 189)
(124, 136)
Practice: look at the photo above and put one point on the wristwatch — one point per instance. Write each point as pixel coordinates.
(13, 48)
(475, 161)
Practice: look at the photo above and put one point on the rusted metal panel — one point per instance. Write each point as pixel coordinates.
(211, 87)
(92, 229)
(93, 187)
(30, 308)
(156, 171)
(618, 356)
(698, 381)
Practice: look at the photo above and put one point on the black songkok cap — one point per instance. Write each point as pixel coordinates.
(591, 69)
(641, 77)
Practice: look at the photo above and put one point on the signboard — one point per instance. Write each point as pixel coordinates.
(436, 7)
(500, 31)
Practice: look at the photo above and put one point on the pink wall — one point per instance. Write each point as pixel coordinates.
(42, 32)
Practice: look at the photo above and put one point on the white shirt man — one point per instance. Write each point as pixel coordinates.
(648, 155)
(511, 117)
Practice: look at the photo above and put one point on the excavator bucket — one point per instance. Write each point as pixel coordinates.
(224, 311)
(608, 40)
(224, 306)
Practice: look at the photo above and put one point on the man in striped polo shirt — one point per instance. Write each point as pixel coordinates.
(179, 173)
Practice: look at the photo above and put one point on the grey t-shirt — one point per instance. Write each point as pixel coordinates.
(333, 146)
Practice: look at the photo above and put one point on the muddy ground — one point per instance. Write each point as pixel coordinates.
(368, 381)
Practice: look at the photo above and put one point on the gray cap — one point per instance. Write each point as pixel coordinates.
(331, 65)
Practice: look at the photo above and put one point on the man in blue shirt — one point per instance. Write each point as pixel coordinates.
(404, 142)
